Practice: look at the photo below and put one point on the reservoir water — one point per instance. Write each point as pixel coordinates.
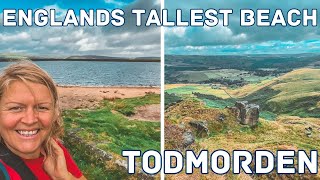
(95, 73)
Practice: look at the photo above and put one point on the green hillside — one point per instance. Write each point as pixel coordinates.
(289, 118)
(295, 93)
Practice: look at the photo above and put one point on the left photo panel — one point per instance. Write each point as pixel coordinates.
(79, 83)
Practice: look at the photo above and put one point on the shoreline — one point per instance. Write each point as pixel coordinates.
(81, 59)
(85, 97)
(105, 86)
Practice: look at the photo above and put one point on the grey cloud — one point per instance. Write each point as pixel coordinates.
(254, 34)
(125, 41)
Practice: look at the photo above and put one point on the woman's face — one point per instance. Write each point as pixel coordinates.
(26, 117)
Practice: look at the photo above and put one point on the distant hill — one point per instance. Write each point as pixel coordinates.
(241, 62)
(11, 57)
(7, 56)
(108, 58)
(91, 57)
(295, 93)
(203, 69)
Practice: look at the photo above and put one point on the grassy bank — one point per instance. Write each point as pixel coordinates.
(112, 132)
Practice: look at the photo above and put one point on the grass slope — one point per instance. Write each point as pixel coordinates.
(295, 93)
(126, 106)
(113, 133)
(286, 133)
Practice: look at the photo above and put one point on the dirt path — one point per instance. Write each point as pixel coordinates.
(147, 113)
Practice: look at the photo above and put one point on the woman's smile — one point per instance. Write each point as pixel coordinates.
(29, 134)
(31, 126)
(26, 117)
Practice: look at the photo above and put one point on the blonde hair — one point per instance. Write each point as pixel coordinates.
(26, 71)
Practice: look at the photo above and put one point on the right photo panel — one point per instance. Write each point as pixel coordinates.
(242, 89)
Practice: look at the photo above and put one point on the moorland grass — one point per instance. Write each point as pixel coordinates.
(113, 133)
(127, 106)
(284, 133)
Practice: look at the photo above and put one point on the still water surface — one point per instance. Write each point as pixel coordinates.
(93, 73)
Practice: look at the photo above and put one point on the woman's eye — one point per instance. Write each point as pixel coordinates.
(42, 108)
(16, 109)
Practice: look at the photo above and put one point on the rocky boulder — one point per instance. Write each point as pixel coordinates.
(247, 114)
(222, 117)
(201, 127)
(188, 139)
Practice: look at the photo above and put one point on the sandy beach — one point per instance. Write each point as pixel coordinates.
(72, 97)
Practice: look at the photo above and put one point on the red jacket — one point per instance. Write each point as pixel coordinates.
(36, 166)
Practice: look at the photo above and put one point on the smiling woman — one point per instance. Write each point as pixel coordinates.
(30, 125)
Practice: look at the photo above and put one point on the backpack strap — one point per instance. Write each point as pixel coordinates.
(3, 172)
(16, 163)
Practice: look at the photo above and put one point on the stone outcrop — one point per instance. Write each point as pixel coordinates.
(308, 131)
(222, 117)
(178, 136)
(188, 139)
(247, 114)
(201, 127)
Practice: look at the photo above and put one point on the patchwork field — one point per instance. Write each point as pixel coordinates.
(219, 75)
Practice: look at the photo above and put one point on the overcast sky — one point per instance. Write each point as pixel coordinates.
(132, 41)
(234, 39)
(125, 41)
